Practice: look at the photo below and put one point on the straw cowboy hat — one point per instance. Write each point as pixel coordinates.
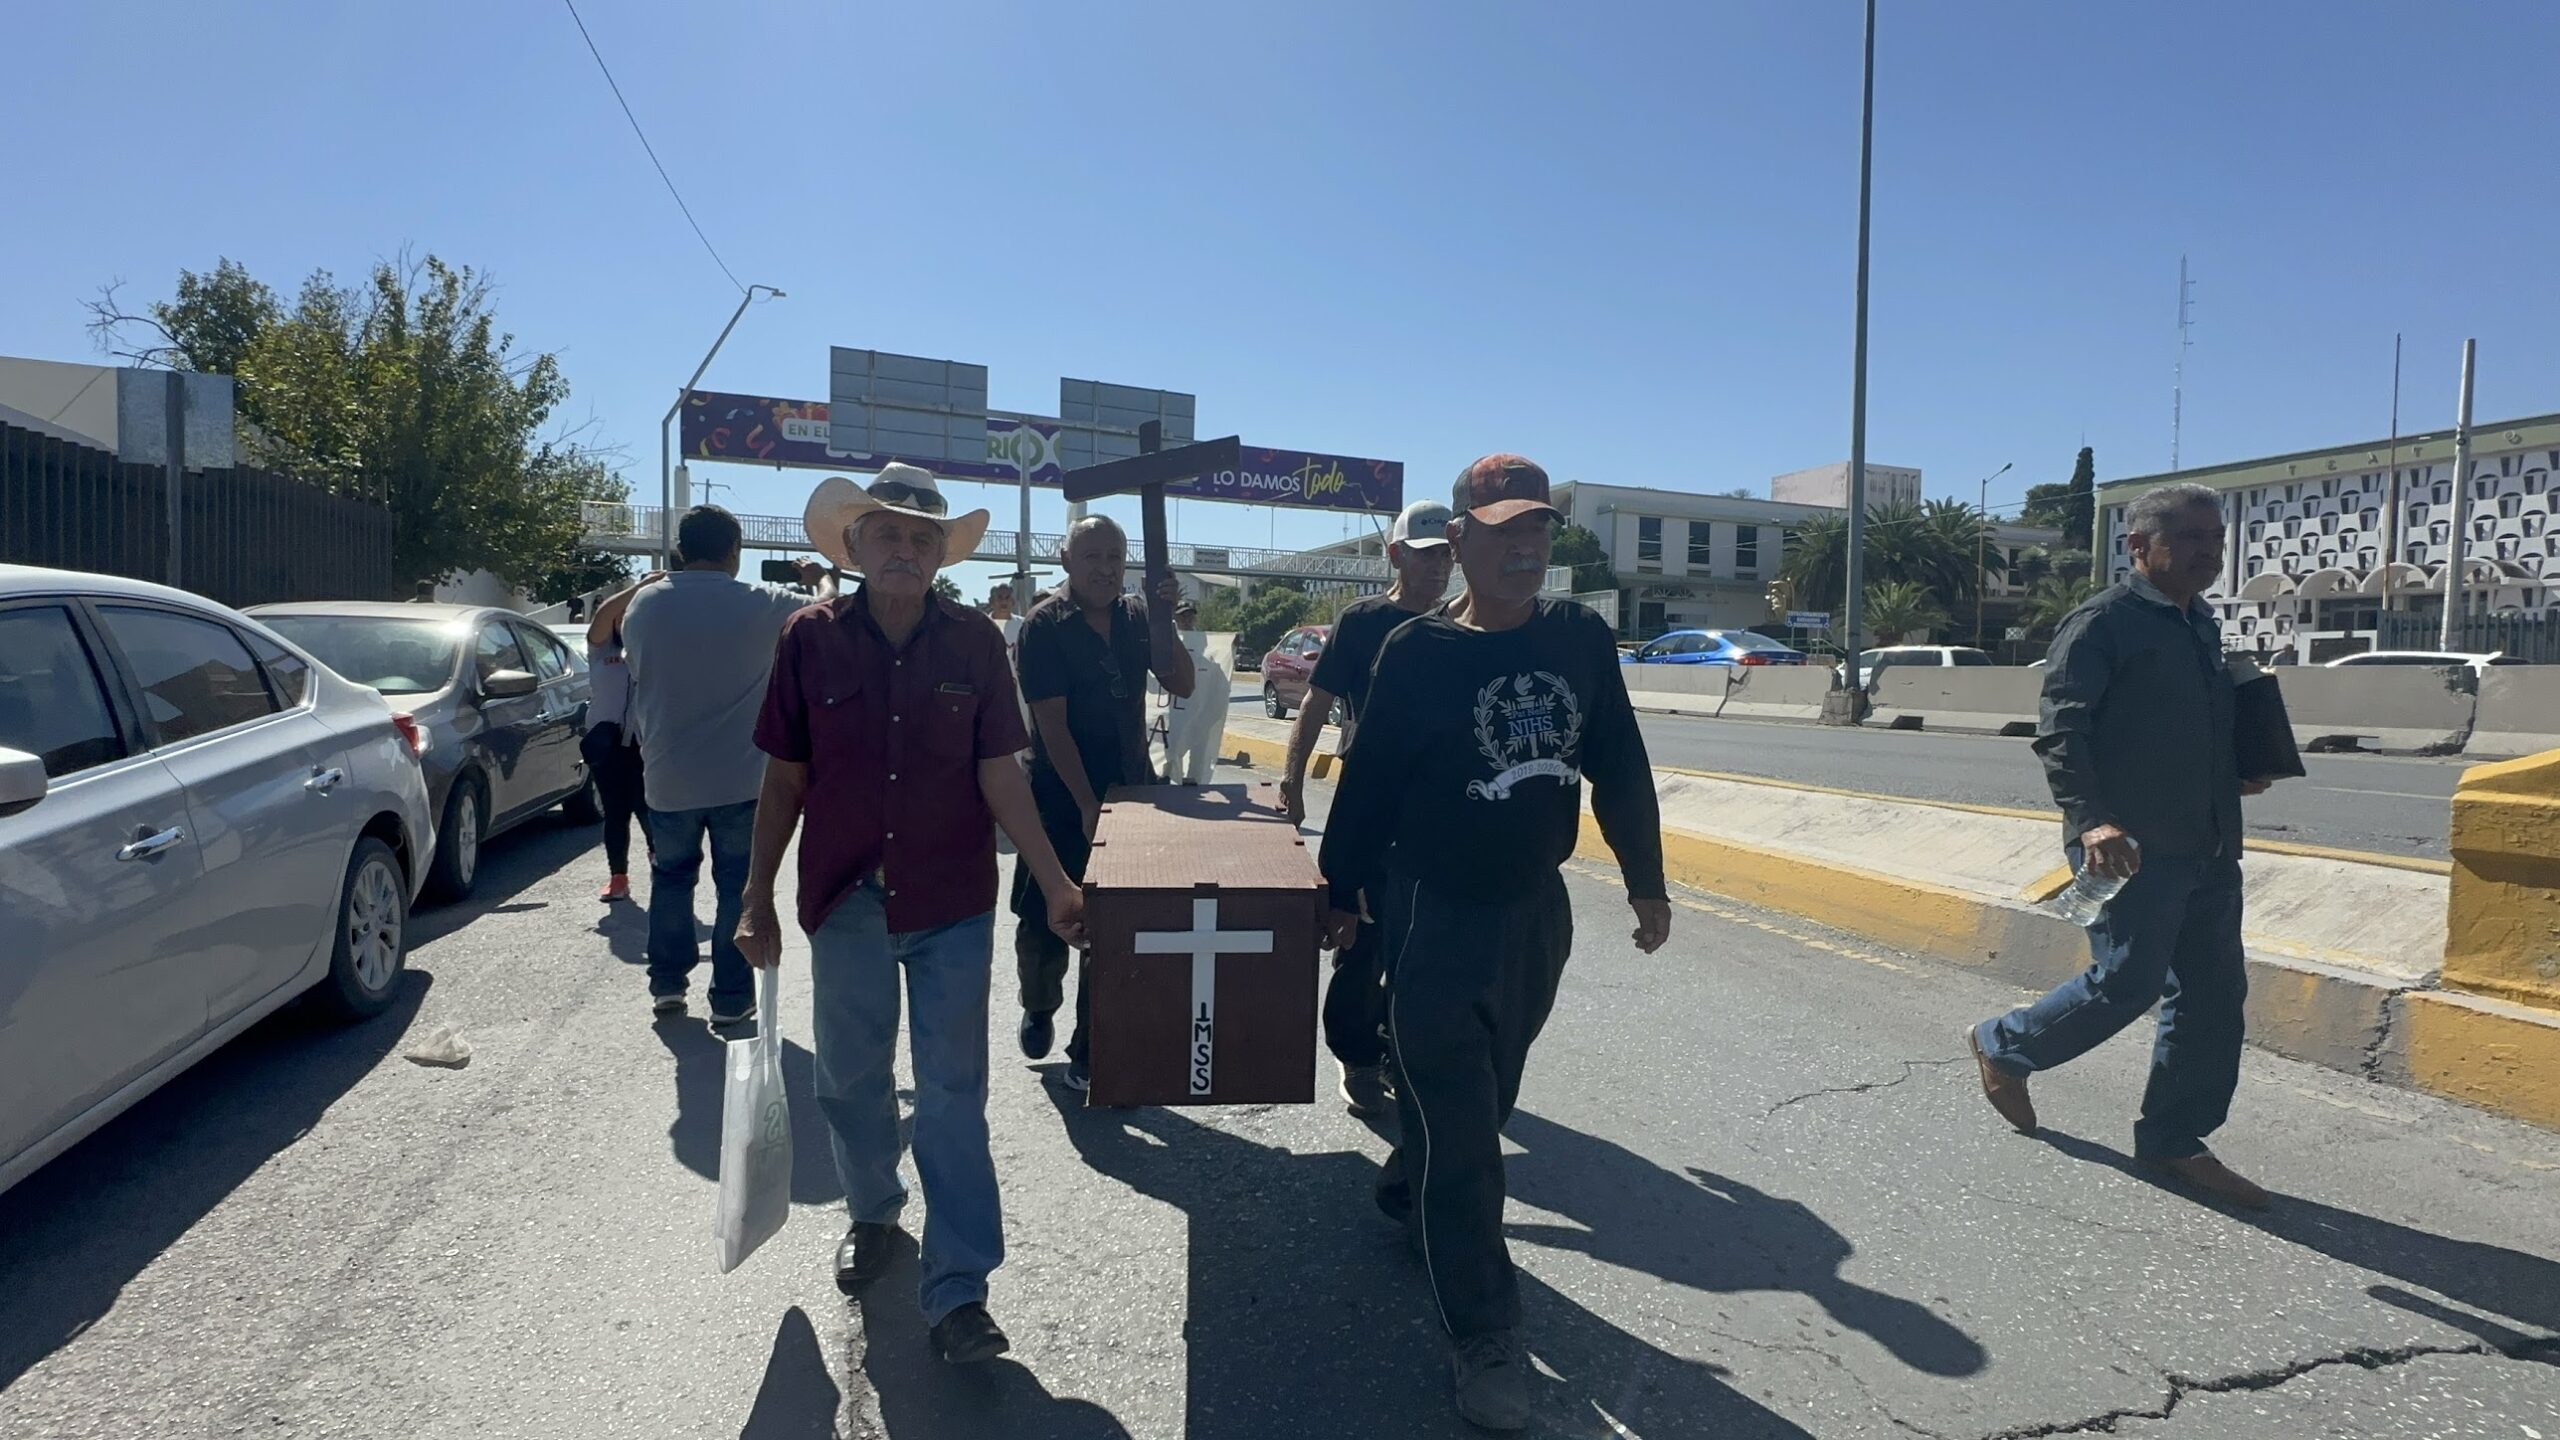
(899, 489)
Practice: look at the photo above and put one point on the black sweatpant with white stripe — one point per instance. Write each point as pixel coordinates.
(1469, 984)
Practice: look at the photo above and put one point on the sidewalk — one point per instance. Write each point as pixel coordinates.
(2345, 948)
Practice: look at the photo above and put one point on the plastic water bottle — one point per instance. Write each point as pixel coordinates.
(2086, 897)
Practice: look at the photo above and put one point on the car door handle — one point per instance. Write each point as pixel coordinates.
(324, 781)
(146, 846)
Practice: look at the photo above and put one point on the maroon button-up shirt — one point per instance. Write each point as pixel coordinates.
(892, 738)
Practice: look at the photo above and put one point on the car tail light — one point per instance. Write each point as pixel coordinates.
(1754, 657)
(412, 733)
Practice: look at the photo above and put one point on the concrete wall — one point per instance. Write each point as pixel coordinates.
(2388, 707)
(78, 398)
(1998, 698)
(1777, 692)
(2519, 711)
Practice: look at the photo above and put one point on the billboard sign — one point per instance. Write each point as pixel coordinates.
(1101, 421)
(798, 434)
(933, 412)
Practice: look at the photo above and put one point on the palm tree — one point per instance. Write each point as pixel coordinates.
(2052, 598)
(1900, 608)
(1816, 565)
(1937, 547)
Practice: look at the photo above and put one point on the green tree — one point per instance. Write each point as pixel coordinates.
(943, 586)
(579, 475)
(2081, 514)
(1220, 606)
(1899, 609)
(401, 389)
(2048, 506)
(1580, 548)
(1269, 613)
(2052, 599)
(1935, 546)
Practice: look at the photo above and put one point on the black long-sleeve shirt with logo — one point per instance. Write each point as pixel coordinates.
(1471, 754)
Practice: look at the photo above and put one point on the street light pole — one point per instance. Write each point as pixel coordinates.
(666, 465)
(1856, 608)
(1981, 540)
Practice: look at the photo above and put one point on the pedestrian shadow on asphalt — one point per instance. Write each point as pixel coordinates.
(694, 1134)
(2522, 1287)
(625, 929)
(921, 1398)
(1712, 1233)
(74, 1233)
(1306, 1315)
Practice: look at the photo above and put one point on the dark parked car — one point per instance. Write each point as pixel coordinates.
(498, 701)
(1713, 647)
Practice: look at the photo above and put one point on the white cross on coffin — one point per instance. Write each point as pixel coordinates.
(1204, 942)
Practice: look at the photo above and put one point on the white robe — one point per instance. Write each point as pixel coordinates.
(1196, 724)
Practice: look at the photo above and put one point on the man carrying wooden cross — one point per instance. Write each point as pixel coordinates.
(1085, 653)
(1460, 801)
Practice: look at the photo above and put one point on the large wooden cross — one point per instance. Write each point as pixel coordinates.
(1147, 473)
(1204, 942)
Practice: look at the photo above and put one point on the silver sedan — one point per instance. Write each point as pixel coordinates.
(197, 825)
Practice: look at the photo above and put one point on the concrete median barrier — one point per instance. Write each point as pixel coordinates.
(2519, 711)
(1683, 689)
(2424, 710)
(1776, 692)
(2000, 699)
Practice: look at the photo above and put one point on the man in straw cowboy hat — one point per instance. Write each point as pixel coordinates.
(1085, 653)
(891, 723)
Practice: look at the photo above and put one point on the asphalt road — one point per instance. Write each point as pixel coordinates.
(2395, 805)
(1754, 1191)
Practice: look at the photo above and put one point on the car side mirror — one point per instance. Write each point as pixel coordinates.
(509, 684)
(22, 781)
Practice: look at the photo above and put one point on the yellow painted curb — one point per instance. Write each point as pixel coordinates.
(2488, 1052)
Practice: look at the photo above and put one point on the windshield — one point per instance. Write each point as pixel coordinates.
(396, 657)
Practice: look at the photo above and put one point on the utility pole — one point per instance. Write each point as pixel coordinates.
(1855, 611)
(2391, 507)
(174, 432)
(2457, 573)
(666, 467)
(2178, 376)
(1981, 540)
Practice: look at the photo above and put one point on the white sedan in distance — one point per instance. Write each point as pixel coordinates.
(197, 825)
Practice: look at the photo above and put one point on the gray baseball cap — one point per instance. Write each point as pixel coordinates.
(1420, 525)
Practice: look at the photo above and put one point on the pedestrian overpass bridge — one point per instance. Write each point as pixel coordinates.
(636, 530)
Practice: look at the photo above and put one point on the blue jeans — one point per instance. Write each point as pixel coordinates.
(2172, 935)
(854, 964)
(675, 838)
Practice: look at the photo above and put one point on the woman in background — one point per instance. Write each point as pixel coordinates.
(613, 758)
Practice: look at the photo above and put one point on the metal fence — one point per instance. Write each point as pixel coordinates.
(2534, 639)
(246, 537)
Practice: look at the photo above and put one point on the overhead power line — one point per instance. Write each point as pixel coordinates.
(651, 149)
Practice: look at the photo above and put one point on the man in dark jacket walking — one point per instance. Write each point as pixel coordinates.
(2136, 737)
(1460, 801)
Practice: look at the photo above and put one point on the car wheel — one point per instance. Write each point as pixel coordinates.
(581, 806)
(1271, 705)
(466, 824)
(372, 935)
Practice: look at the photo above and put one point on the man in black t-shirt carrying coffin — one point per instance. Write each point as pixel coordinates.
(1355, 1000)
(1459, 803)
(1084, 654)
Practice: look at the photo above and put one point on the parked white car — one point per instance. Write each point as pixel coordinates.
(2478, 663)
(197, 825)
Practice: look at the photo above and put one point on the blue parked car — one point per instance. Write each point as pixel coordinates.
(1713, 647)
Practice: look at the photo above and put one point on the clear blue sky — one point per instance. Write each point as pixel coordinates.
(1617, 238)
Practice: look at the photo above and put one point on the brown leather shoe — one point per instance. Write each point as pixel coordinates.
(2006, 1092)
(2216, 1179)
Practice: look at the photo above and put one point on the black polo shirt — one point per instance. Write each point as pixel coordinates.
(1104, 683)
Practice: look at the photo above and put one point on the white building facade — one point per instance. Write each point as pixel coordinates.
(2316, 552)
(1828, 485)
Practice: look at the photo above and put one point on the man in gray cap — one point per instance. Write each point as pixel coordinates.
(1355, 1001)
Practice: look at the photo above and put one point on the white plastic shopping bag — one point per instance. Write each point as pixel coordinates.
(755, 1135)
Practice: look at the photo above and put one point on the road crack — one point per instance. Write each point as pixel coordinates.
(1909, 1067)
(2541, 1350)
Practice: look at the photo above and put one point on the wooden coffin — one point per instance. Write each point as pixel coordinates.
(1204, 913)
